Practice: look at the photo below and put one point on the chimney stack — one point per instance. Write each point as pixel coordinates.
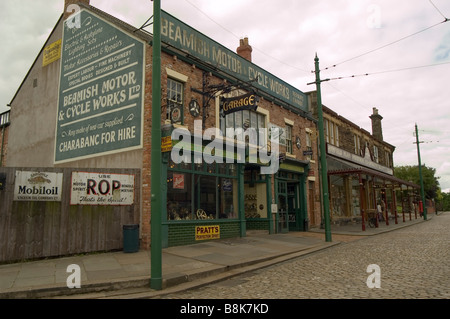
(244, 49)
(376, 118)
(69, 2)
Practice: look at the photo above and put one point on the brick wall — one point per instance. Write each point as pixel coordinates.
(5, 131)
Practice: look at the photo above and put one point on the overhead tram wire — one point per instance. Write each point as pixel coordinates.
(387, 71)
(386, 45)
(446, 19)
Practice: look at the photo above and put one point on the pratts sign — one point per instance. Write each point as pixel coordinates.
(243, 102)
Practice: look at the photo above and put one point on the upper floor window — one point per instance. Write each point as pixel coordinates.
(375, 154)
(175, 101)
(240, 121)
(357, 143)
(4, 119)
(309, 139)
(289, 139)
(387, 157)
(331, 132)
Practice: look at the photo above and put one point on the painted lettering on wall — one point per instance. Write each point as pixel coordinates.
(188, 39)
(101, 90)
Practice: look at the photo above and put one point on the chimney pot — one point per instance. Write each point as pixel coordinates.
(377, 130)
(245, 49)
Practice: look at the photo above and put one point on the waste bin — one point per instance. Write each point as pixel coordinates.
(130, 238)
(306, 224)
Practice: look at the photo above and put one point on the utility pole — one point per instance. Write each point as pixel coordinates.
(156, 154)
(422, 191)
(323, 158)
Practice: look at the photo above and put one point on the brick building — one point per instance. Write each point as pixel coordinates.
(86, 102)
(360, 169)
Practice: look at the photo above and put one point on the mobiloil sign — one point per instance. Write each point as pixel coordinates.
(38, 186)
(187, 39)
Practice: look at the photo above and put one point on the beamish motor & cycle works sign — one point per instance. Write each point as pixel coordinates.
(183, 37)
(101, 90)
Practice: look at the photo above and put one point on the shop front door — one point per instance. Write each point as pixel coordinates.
(283, 223)
(293, 210)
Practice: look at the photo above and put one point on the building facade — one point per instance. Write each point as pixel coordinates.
(238, 146)
(360, 171)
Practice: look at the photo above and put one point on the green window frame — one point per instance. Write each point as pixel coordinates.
(209, 191)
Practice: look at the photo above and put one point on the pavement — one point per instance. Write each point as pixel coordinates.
(119, 275)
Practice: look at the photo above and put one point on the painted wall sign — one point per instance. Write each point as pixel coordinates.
(102, 189)
(243, 102)
(51, 53)
(38, 186)
(183, 37)
(207, 232)
(101, 90)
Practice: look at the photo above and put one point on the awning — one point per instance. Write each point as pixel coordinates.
(347, 168)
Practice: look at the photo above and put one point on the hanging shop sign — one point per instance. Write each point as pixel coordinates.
(101, 90)
(207, 232)
(239, 103)
(102, 189)
(187, 39)
(38, 186)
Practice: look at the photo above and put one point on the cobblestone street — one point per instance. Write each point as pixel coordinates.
(414, 264)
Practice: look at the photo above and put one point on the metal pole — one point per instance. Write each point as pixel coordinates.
(156, 155)
(422, 192)
(323, 159)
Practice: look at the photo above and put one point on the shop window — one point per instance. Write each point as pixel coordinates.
(174, 101)
(202, 192)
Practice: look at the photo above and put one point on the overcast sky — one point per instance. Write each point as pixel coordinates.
(378, 37)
